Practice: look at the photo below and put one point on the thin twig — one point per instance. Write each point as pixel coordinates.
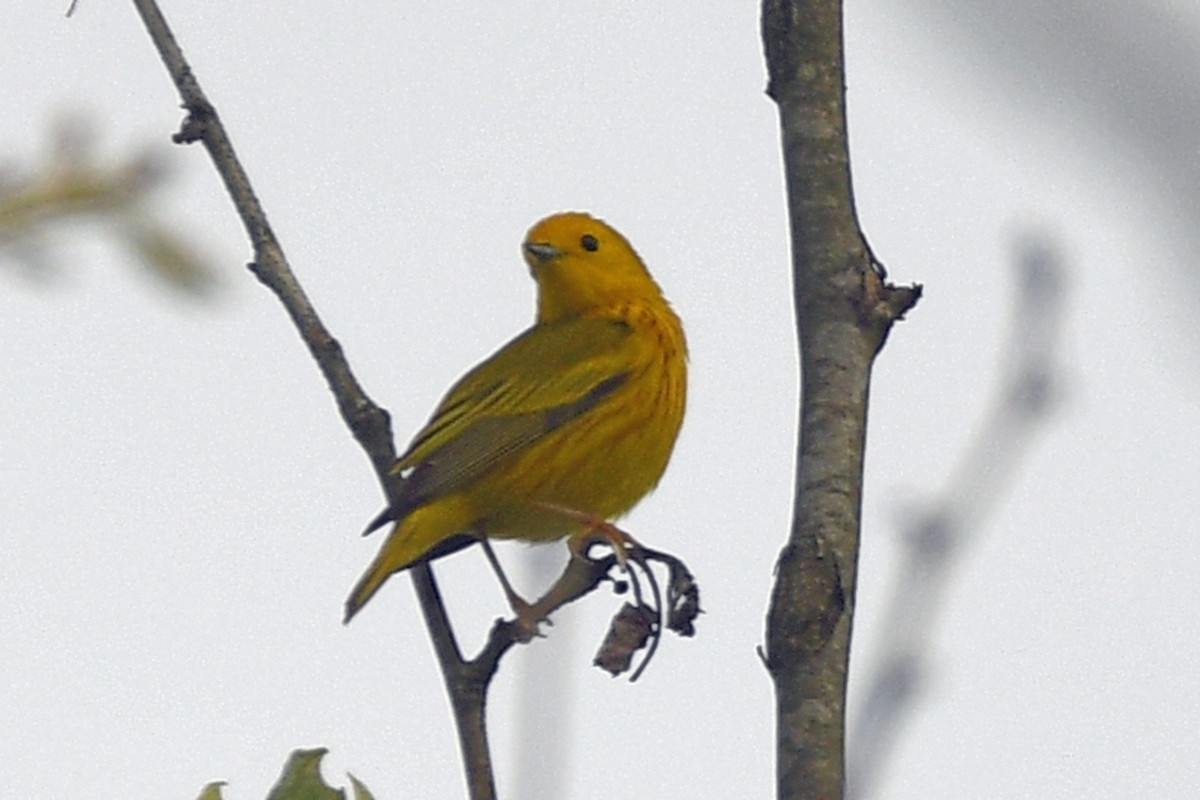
(639, 557)
(579, 577)
(370, 425)
(368, 422)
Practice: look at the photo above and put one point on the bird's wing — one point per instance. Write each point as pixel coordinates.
(538, 382)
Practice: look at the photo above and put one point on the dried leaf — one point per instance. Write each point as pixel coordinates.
(683, 602)
(631, 629)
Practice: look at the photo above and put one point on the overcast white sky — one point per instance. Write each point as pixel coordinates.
(182, 504)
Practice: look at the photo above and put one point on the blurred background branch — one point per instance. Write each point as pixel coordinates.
(75, 185)
(936, 536)
(1116, 78)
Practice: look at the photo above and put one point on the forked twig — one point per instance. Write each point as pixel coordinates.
(370, 424)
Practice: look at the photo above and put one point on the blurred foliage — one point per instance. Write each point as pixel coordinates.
(73, 185)
(301, 780)
(212, 791)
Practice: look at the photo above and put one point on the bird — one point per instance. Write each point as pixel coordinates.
(567, 426)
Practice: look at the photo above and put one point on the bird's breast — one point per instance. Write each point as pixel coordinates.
(605, 461)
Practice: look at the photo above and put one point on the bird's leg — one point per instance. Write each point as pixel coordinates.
(598, 530)
(526, 616)
(515, 600)
(595, 530)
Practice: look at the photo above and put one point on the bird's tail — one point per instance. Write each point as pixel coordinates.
(366, 587)
(412, 539)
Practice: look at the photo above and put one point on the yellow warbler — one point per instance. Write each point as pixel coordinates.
(573, 420)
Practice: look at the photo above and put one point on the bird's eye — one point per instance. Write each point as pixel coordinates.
(589, 243)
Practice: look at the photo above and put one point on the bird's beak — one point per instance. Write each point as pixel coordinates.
(539, 253)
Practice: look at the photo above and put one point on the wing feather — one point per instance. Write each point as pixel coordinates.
(538, 382)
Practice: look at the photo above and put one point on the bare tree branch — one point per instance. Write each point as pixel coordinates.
(844, 312)
(369, 423)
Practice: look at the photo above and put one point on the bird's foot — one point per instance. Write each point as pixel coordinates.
(596, 531)
(528, 619)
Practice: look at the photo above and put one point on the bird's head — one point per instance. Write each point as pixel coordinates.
(581, 264)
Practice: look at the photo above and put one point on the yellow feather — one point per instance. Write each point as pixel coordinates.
(580, 412)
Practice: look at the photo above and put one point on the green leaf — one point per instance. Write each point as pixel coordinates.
(301, 778)
(212, 791)
(361, 792)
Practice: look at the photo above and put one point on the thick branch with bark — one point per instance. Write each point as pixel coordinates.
(844, 311)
